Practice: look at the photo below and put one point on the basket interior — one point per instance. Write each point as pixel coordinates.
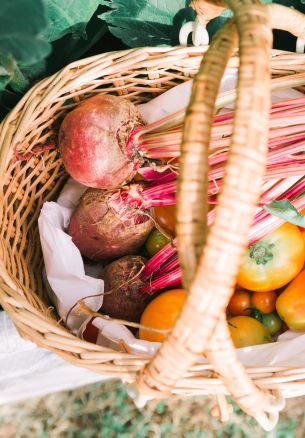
(32, 176)
(29, 177)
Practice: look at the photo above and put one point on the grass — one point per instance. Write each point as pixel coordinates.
(104, 410)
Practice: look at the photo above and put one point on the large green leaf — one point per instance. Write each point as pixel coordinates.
(7, 70)
(146, 23)
(155, 22)
(21, 24)
(68, 16)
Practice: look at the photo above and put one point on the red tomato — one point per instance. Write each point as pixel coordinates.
(240, 303)
(264, 301)
(165, 217)
(274, 261)
(161, 313)
(90, 333)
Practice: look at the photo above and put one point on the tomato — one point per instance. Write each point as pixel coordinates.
(264, 301)
(162, 313)
(90, 333)
(290, 304)
(273, 322)
(303, 233)
(302, 212)
(274, 261)
(246, 331)
(240, 303)
(155, 241)
(165, 217)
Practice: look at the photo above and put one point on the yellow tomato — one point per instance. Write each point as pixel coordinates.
(161, 313)
(290, 305)
(274, 261)
(246, 331)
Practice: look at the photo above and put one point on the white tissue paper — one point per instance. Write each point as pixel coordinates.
(65, 269)
(70, 280)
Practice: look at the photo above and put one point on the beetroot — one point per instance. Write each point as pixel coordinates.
(125, 300)
(105, 228)
(93, 141)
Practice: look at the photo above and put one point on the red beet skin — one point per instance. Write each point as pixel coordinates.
(123, 298)
(92, 142)
(105, 229)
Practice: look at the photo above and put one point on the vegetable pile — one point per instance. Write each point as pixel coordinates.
(126, 217)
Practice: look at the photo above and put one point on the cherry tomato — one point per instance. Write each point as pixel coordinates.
(90, 333)
(240, 303)
(155, 242)
(161, 313)
(290, 304)
(165, 217)
(246, 331)
(274, 261)
(264, 301)
(273, 322)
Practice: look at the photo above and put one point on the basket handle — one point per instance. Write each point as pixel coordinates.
(221, 347)
(281, 17)
(218, 267)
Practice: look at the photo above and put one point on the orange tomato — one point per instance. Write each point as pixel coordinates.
(303, 233)
(161, 313)
(302, 212)
(290, 304)
(274, 261)
(165, 217)
(240, 303)
(246, 331)
(264, 301)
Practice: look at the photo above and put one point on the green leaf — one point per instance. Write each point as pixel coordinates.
(32, 71)
(21, 24)
(19, 82)
(68, 16)
(285, 210)
(7, 70)
(146, 23)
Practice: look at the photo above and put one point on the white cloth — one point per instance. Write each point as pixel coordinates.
(28, 371)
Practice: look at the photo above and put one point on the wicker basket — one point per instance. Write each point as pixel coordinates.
(139, 75)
